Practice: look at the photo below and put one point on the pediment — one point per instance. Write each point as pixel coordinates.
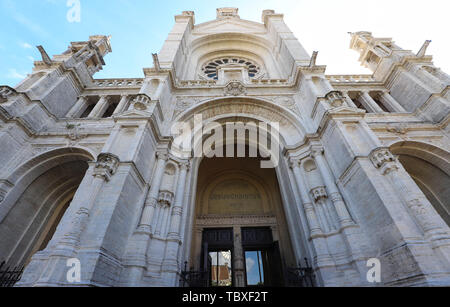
(230, 25)
(133, 114)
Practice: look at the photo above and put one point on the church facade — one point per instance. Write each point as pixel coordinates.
(119, 178)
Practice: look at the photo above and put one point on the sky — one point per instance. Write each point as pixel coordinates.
(139, 28)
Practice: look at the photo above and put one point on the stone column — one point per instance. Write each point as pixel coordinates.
(145, 225)
(67, 246)
(79, 107)
(137, 251)
(322, 257)
(369, 103)
(177, 211)
(419, 207)
(308, 206)
(101, 107)
(122, 104)
(238, 258)
(170, 263)
(391, 104)
(349, 100)
(105, 167)
(333, 191)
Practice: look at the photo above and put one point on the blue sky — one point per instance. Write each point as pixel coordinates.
(139, 28)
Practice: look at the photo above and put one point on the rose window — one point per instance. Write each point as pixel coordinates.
(210, 70)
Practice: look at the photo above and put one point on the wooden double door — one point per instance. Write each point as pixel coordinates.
(246, 257)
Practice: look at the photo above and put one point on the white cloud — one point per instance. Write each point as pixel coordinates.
(14, 74)
(26, 46)
(250, 263)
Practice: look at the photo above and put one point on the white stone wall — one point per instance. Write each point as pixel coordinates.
(346, 197)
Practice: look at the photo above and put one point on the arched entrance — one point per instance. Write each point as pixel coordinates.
(243, 225)
(241, 234)
(429, 167)
(42, 190)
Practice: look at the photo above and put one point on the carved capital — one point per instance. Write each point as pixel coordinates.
(165, 197)
(319, 193)
(335, 99)
(106, 166)
(383, 159)
(316, 151)
(185, 166)
(294, 162)
(6, 92)
(141, 102)
(162, 155)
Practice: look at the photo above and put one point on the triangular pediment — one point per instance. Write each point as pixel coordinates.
(133, 113)
(229, 25)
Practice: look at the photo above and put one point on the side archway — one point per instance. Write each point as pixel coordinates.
(429, 166)
(40, 192)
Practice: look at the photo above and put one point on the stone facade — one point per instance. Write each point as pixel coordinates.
(88, 169)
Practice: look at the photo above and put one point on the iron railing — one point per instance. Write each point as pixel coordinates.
(194, 279)
(9, 276)
(301, 277)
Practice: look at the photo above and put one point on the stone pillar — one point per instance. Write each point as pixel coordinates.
(349, 100)
(391, 104)
(322, 257)
(177, 211)
(122, 104)
(105, 167)
(79, 107)
(432, 225)
(137, 251)
(170, 263)
(238, 258)
(101, 107)
(369, 103)
(145, 225)
(333, 191)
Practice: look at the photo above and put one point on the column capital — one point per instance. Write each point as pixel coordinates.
(319, 193)
(185, 165)
(105, 97)
(162, 155)
(294, 162)
(106, 166)
(383, 159)
(317, 151)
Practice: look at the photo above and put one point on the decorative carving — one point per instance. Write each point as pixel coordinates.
(6, 92)
(106, 166)
(185, 166)
(235, 88)
(215, 220)
(162, 155)
(2, 196)
(316, 151)
(384, 160)
(165, 197)
(398, 129)
(319, 193)
(335, 99)
(141, 102)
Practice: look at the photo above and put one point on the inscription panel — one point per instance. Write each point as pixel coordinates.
(235, 197)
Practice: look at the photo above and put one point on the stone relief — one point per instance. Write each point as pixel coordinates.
(235, 88)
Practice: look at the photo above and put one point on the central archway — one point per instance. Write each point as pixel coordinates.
(239, 212)
(239, 208)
